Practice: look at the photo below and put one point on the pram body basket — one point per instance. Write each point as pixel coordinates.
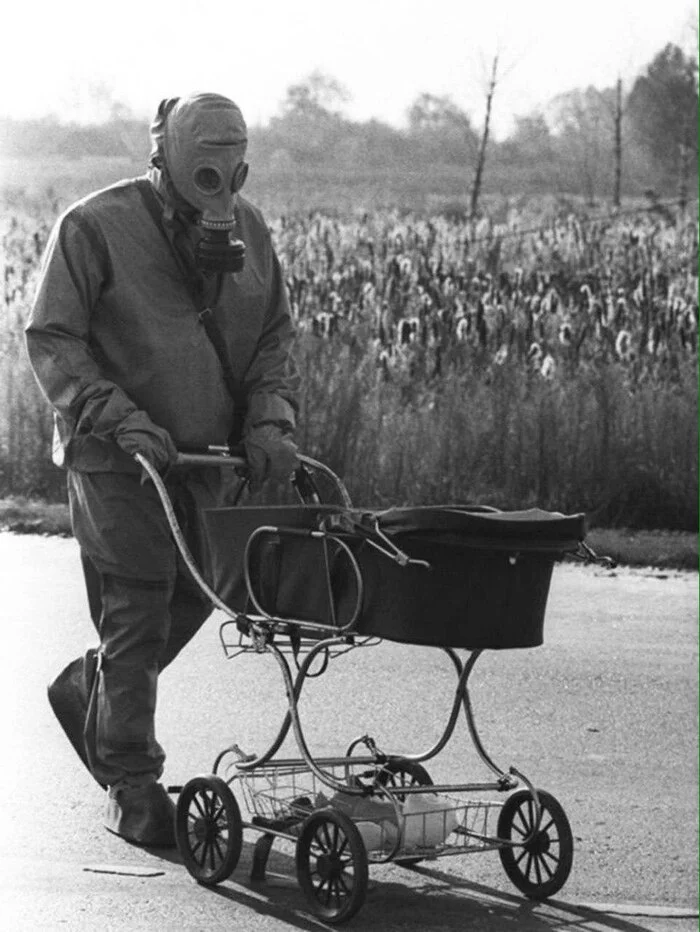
(477, 577)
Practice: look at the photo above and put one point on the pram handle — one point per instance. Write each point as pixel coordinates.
(234, 458)
(211, 456)
(218, 459)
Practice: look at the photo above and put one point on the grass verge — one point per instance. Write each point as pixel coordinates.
(676, 550)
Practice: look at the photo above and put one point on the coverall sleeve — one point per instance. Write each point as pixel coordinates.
(74, 269)
(272, 380)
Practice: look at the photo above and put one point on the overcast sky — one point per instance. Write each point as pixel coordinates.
(385, 52)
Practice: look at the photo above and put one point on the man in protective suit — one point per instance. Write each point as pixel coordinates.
(160, 322)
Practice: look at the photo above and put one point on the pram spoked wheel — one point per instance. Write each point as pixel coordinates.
(399, 772)
(541, 867)
(332, 866)
(208, 829)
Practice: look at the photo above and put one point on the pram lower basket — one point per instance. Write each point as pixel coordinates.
(485, 584)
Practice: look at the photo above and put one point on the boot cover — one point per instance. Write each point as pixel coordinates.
(144, 815)
(68, 699)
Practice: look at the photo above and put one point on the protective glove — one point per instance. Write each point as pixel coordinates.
(271, 454)
(138, 434)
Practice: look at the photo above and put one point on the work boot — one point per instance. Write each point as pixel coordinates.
(144, 815)
(68, 697)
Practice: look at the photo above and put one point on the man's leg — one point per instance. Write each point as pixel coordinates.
(120, 727)
(191, 491)
(70, 692)
(130, 571)
(188, 609)
(188, 612)
(68, 696)
(133, 633)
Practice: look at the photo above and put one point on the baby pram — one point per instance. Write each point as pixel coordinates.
(309, 582)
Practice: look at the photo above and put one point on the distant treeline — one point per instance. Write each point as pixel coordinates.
(646, 133)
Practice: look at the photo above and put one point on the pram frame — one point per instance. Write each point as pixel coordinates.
(262, 629)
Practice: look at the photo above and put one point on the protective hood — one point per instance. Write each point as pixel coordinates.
(201, 141)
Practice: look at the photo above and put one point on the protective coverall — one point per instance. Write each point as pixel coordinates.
(117, 346)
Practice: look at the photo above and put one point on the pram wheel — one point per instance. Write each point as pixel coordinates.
(208, 829)
(399, 772)
(332, 866)
(540, 867)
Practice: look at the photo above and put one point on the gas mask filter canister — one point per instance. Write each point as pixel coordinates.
(203, 145)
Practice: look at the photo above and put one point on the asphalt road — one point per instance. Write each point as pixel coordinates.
(603, 715)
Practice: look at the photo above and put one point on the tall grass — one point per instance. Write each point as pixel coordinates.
(451, 421)
(506, 437)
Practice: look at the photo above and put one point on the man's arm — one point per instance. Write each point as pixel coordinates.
(271, 386)
(272, 381)
(74, 269)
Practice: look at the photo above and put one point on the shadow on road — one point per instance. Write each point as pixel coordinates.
(400, 899)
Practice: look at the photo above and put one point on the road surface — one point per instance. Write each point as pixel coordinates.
(603, 715)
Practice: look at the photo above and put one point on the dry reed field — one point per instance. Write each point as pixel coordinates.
(543, 360)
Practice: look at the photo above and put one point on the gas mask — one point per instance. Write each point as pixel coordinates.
(200, 144)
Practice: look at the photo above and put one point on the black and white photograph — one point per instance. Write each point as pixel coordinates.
(349, 466)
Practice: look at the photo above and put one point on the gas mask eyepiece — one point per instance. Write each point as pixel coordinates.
(209, 179)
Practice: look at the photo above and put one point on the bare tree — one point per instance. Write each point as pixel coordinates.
(617, 117)
(496, 75)
(481, 156)
(616, 110)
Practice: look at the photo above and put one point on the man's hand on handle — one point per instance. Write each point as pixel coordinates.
(268, 448)
(138, 434)
(271, 454)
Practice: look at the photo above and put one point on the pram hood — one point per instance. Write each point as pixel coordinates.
(482, 526)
